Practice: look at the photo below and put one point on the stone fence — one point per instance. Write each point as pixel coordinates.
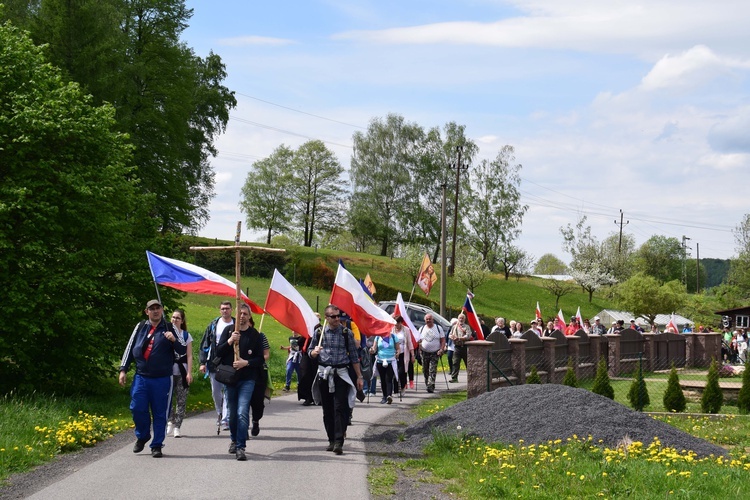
(499, 361)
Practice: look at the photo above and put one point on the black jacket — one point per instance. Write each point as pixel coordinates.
(251, 349)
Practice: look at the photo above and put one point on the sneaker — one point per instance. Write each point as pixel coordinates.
(285, 389)
(225, 426)
(454, 380)
(240, 454)
(330, 446)
(256, 429)
(389, 400)
(411, 384)
(382, 401)
(139, 445)
(338, 448)
(307, 403)
(430, 390)
(232, 447)
(156, 452)
(170, 428)
(177, 432)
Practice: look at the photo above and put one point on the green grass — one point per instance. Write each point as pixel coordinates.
(578, 468)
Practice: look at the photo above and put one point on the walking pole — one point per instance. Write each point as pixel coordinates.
(442, 368)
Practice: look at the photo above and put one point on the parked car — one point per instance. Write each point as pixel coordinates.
(417, 313)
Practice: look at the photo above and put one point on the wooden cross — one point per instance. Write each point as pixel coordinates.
(237, 248)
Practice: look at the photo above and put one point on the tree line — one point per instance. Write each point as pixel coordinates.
(107, 125)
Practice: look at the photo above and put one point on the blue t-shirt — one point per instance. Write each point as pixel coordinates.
(387, 348)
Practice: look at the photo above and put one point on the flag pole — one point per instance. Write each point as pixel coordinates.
(153, 277)
(238, 297)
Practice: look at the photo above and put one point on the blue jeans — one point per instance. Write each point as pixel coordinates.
(291, 367)
(150, 397)
(238, 407)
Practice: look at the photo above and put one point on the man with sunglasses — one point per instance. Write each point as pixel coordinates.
(153, 346)
(336, 353)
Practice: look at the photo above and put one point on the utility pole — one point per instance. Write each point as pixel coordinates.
(619, 246)
(443, 258)
(697, 269)
(458, 166)
(685, 239)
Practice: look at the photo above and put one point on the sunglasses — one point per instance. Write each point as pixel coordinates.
(332, 316)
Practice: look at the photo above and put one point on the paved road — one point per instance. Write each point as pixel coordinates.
(287, 460)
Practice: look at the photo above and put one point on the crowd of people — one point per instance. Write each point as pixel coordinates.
(233, 357)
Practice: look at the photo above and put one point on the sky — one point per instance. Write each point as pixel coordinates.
(639, 107)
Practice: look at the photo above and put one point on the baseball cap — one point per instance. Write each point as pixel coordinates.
(152, 302)
(596, 318)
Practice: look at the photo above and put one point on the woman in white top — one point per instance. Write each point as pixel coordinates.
(406, 351)
(182, 376)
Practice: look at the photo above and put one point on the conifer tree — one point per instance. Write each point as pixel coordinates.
(712, 398)
(570, 376)
(533, 377)
(602, 386)
(674, 398)
(638, 393)
(743, 400)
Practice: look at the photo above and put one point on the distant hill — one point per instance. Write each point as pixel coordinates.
(716, 271)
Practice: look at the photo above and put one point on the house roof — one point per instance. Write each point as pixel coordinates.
(611, 315)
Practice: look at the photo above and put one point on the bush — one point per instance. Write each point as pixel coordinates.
(570, 376)
(712, 398)
(674, 398)
(602, 386)
(314, 273)
(743, 400)
(638, 393)
(533, 377)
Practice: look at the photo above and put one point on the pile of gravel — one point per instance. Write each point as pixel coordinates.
(540, 413)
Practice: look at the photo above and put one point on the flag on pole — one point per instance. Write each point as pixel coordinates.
(579, 319)
(538, 313)
(672, 323)
(370, 285)
(347, 295)
(560, 321)
(191, 278)
(426, 276)
(471, 316)
(288, 307)
(413, 336)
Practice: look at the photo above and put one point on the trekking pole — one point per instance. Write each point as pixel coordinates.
(442, 368)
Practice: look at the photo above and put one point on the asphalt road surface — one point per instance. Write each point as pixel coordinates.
(287, 460)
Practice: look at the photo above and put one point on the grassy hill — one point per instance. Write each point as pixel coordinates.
(514, 300)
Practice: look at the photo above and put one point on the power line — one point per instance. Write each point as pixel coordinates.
(300, 111)
(289, 132)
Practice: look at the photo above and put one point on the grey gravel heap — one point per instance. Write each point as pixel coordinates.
(540, 413)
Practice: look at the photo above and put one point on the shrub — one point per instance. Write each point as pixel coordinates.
(674, 398)
(743, 400)
(570, 376)
(533, 377)
(712, 398)
(638, 393)
(602, 386)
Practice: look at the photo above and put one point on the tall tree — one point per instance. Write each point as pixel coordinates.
(319, 191)
(267, 193)
(587, 267)
(383, 160)
(739, 267)
(435, 169)
(617, 255)
(660, 257)
(170, 102)
(74, 228)
(644, 295)
(173, 106)
(471, 270)
(494, 206)
(550, 264)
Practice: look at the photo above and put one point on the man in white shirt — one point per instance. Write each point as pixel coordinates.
(432, 345)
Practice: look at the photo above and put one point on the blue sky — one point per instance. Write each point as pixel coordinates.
(643, 107)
